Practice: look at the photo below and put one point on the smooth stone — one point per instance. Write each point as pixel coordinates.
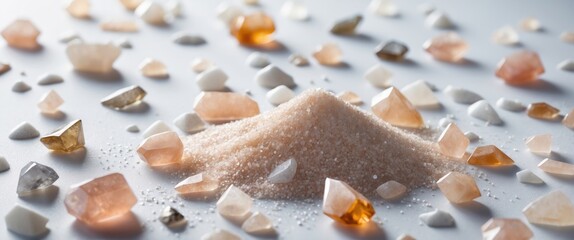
(49, 79)
(566, 65)
(437, 219)
(527, 176)
(212, 79)
(472, 137)
(510, 105)
(156, 127)
(258, 224)
(133, 129)
(461, 95)
(438, 19)
(272, 77)
(4, 165)
(24, 131)
(184, 38)
(506, 36)
(298, 60)
(420, 95)
(483, 111)
(26, 222)
(20, 87)
(378, 76)
(284, 172)
(295, 10)
(279, 95)
(257, 60)
(234, 204)
(386, 8)
(189, 123)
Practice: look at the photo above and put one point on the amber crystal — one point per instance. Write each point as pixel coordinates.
(542, 110)
(66, 139)
(392, 51)
(448, 47)
(557, 167)
(568, 120)
(505, 229)
(393, 107)
(520, 68)
(253, 29)
(552, 209)
(119, 26)
(197, 185)
(452, 142)
(345, 205)
(22, 34)
(328, 54)
(489, 155)
(124, 97)
(458, 187)
(100, 199)
(222, 107)
(161, 149)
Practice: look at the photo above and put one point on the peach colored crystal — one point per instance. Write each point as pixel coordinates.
(520, 68)
(552, 209)
(540, 144)
(350, 97)
(458, 187)
(490, 156)
(161, 149)
(448, 47)
(557, 167)
(568, 120)
(452, 142)
(222, 107)
(100, 199)
(22, 34)
(393, 107)
(542, 110)
(119, 26)
(253, 29)
(328, 54)
(505, 229)
(198, 185)
(68, 138)
(345, 205)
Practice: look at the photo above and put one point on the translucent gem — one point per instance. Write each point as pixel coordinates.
(258, 224)
(298, 60)
(378, 76)
(566, 65)
(22, 34)
(78, 8)
(199, 65)
(198, 185)
(50, 102)
(510, 105)
(119, 26)
(393, 107)
(4, 165)
(283, 173)
(222, 107)
(234, 203)
(452, 142)
(483, 111)
(540, 144)
(391, 51)
(552, 209)
(279, 95)
(527, 176)
(131, 4)
(68, 138)
(212, 79)
(26, 222)
(227, 13)
(24, 131)
(49, 79)
(489, 155)
(345, 205)
(458, 187)
(530, 24)
(542, 110)
(94, 58)
(438, 19)
(153, 68)
(506, 36)
(100, 199)
(505, 229)
(4, 67)
(346, 26)
(448, 47)
(568, 120)
(189, 123)
(472, 137)
(253, 29)
(220, 234)
(567, 37)
(20, 87)
(151, 12)
(161, 149)
(172, 218)
(295, 10)
(461, 95)
(385, 8)
(35, 176)
(350, 97)
(420, 95)
(156, 127)
(257, 60)
(391, 190)
(437, 219)
(184, 38)
(557, 167)
(124, 97)
(522, 67)
(328, 54)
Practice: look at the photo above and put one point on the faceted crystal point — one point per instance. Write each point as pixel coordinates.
(386, 8)
(78, 8)
(198, 185)
(472, 137)
(391, 51)
(119, 26)
(100, 199)
(189, 123)
(257, 60)
(328, 54)
(483, 111)
(452, 142)
(26, 222)
(506, 36)
(93, 58)
(220, 234)
(489, 155)
(4, 165)
(552, 209)
(68, 138)
(124, 97)
(234, 203)
(557, 167)
(156, 127)
(530, 24)
(543, 111)
(350, 97)
(22, 34)
(298, 60)
(378, 76)
(272, 77)
(540, 144)
(391, 190)
(284, 172)
(24, 131)
(254, 29)
(510, 105)
(458, 187)
(393, 107)
(35, 176)
(345, 205)
(131, 4)
(279, 95)
(448, 47)
(222, 107)
(505, 229)
(461, 95)
(527, 176)
(258, 224)
(212, 79)
(153, 68)
(50, 102)
(437, 219)
(346, 26)
(151, 12)
(199, 65)
(420, 95)
(568, 120)
(161, 149)
(295, 10)
(172, 218)
(49, 79)
(520, 68)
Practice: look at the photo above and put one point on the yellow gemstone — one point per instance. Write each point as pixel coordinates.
(489, 155)
(452, 142)
(345, 205)
(542, 110)
(124, 97)
(66, 139)
(254, 29)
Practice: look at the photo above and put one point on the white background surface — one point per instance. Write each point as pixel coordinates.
(107, 142)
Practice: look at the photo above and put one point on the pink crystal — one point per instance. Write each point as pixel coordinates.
(448, 47)
(520, 68)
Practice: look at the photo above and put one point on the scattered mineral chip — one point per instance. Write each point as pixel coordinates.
(78, 8)
(198, 185)
(420, 95)
(391, 190)
(386, 8)
(510, 105)
(26, 222)
(557, 168)
(153, 68)
(279, 95)
(542, 111)
(295, 10)
(345, 205)
(123, 43)
(437, 219)
(189, 123)
(119, 26)
(70, 36)
(258, 224)
(530, 24)
(50, 102)
(133, 129)
(520, 68)
(4, 165)
(124, 97)
(67, 138)
(4, 67)
(298, 60)
(391, 51)
(506, 36)
(458, 187)
(184, 38)
(272, 77)
(378, 76)
(540, 144)
(461, 95)
(393, 107)
(505, 228)
(151, 12)
(24, 131)
(566, 65)
(350, 97)
(35, 176)
(284, 172)
(438, 19)
(254, 29)
(93, 58)
(489, 156)
(346, 26)
(212, 79)
(172, 218)
(131, 4)
(448, 47)
(527, 176)
(452, 142)
(328, 54)
(220, 234)
(553, 209)
(22, 34)
(234, 204)
(49, 79)
(257, 60)
(161, 149)
(155, 128)
(483, 111)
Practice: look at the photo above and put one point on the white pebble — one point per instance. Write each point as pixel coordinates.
(385, 8)
(133, 128)
(24, 131)
(48, 79)
(155, 128)
(199, 65)
(20, 87)
(257, 60)
(271, 77)
(279, 95)
(510, 105)
(295, 10)
(527, 176)
(483, 111)
(189, 123)
(26, 222)
(4, 165)
(437, 218)
(566, 65)
(438, 19)
(461, 95)
(212, 79)
(378, 76)
(184, 38)
(472, 137)
(420, 95)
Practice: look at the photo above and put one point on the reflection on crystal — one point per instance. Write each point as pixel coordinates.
(124, 97)
(345, 205)
(68, 138)
(35, 176)
(458, 187)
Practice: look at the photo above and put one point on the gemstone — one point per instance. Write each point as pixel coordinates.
(119, 26)
(222, 107)
(567, 37)
(100, 199)
(378, 76)
(350, 97)
(392, 51)
(568, 120)
(220, 234)
(189, 123)
(542, 110)
(258, 224)
(530, 24)
(35, 176)
(20, 87)
(4, 165)
(131, 4)
(452, 142)
(438, 19)
(184, 38)
(510, 105)
(21, 34)
(506, 36)
(124, 97)
(328, 54)
(448, 47)
(78, 8)
(566, 65)
(557, 167)
(346, 26)
(199, 65)
(49, 79)
(279, 95)
(522, 67)
(198, 185)
(133, 128)
(405, 236)
(234, 204)
(284, 172)
(483, 111)
(385, 8)
(212, 79)
(437, 219)
(257, 60)
(227, 13)
(552, 209)
(151, 12)
(420, 95)
(345, 205)
(393, 107)
(24, 131)
(471, 136)
(489, 155)
(298, 60)
(161, 149)
(505, 229)
(4, 67)
(26, 222)
(461, 95)
(458, 187)
(540, 144)
(253, 29)
(50, 102)
(155, 128)
(295, 10)
(527, 176)
(391, 190)
(153, 68)
(67, 138)
(94, 58)
(172, 218)
(272, 77)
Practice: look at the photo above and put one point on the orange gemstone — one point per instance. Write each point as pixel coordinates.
(520, 68)
(489, 155)
(505, 229)
(452, 142)
(254, 29)
(222, 107)
(345, 205)
(458, 187)
(542, 110)
(393, 107)
(22, 34)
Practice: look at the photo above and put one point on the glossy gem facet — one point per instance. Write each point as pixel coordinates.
(345, 205)
(68, 138)
(490, 156)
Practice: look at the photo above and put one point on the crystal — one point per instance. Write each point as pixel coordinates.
(222, 107)
(461, 95)
(391, 190)
(438, 19)
(567, 37)
(506, 36)
(530, 24)
(189, 123)
(295, 10)
(50, 102)
(568, 120)
(153, 68)
(346, 26)
(385, 8)
(212, 79)
(220, 234)
(175, 8)
(234, 204)
(505, 229)
(199, 65)
(510, 105)
(35, 176)
(391, 51)
(557, 167)
(67, 138)
(527, 176)
(119, 26)
(350, 97)
(133, 128)
(24, 131)
(131, 4)
(393, 107)
(4, 165)
(22, 34)
(542, 110)
(540, 144)
(100, 199)
(279, 95)
(378, 76)
(284, 172)
(272, 77)
(522, 67)
(437, 219)
(258, 224)
(123, 43)
(566, 65)
(184, 38)
(155, 128)
(345, 205)
(471, 136)
(420, 95)
(483, 111)
(20, 87)
(49, 79)
(172, 218)
(78, 8)
(151, 12)
(161, 149)
(458, 187)
(257, 60)
(489, 155)
(124, 97)
(228, 13)
(4, 67)
(26, 222)
(298, 60)
(452, 142)
(253, 29)
(94, 58)
(448, 47)
(405, 236)
(328, 54)
(197, 185)
(552, 209)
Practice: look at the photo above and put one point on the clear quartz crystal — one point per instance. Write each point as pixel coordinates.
(258, 224)
(234, 203)
(35, 176)
(284, 172)
(50, 102)
(506, 36)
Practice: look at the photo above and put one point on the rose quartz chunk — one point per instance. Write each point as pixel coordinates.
(540, 144)
(552, 209)
(393, 107)
(505, 229)
(458, 187)
(448, 47)
(22, 34)
(328, 54)
(557, 167)
(222, 107)
(161, 149)
(452, 142)
(520, 68)
(392, 190)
